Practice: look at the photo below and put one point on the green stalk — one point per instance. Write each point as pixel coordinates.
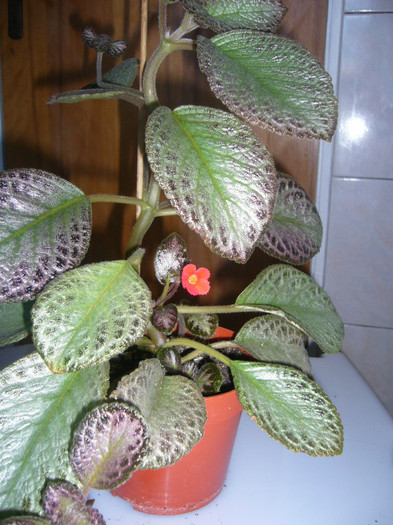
(118, 199)
(200, 349)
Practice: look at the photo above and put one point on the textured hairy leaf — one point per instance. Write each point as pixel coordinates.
(272, 339)
(90, 314)
(45, 226)
(15, 321)
(165, 318)
(107, 446)
(286, 291)
(37, 409)
(209, 378)
(201, 325)
(223, 15)
(271, 81)
(170, 358)
(172, 407)
(170, 258)
(295, 233)
(64, 504)
(290, 407)
(220, 178)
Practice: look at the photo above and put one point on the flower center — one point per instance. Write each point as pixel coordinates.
(192, 279)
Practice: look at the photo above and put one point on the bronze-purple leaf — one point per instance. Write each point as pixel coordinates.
(107, 445)
(45, 227)
(64, 503)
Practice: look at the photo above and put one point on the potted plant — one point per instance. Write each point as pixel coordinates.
(118, 381)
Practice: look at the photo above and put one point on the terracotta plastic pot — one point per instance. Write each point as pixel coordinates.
(199, 476)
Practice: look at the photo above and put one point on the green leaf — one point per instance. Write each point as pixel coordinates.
(170, 257)
(122, 76)
(271, 81)
(290, 407)
(209, 378)
(295, 233)
(272, 339)
(220, 178)
(80, 95)
(64, 504)
(37, 410)
(170, 358)
(90, 314)
(107, 446)
(290, 293)
(45, 227)
(224, 15)
(172, 407)
(25, 520)
(201, 325)
(15, 321)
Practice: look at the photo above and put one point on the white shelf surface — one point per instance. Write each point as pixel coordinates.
(269, 485)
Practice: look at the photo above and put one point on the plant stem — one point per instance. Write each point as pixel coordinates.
(216, 309)
(200, 349)
(119, 199)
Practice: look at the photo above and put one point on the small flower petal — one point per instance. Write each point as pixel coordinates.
(195, 281)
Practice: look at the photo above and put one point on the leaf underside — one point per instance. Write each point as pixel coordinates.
(272, 339)
(90, 314)
(172, 407)
(295, 233)
(37, 410)
(271, 81)
(220, 178)
(107, 446)
(224, 15)
(290, 407)
(45, 227)
(295, 296)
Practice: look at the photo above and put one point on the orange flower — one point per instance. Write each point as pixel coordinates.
(196, 282)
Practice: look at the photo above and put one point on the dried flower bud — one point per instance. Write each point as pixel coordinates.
(103, 43)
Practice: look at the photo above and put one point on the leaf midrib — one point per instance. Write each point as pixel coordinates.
(41, 218)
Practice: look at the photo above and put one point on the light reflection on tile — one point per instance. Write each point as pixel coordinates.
(368, 6)
(364, 132)
(359, 258)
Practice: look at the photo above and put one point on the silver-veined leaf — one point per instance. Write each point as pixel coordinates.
(201, 325)
(107, 446)
(286, 291)
(271, 81)
(220, 178)
(170, 257)
(290, 407)
(90, 314)
(64, 503)
(45, 227)
(37, 410)
(172, 407)
(15, 321)
(272, 339)
(224, 15)
(295, 233)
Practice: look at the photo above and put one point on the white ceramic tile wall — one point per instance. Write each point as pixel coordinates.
(358, 264)
(364, 132)
(359, 261)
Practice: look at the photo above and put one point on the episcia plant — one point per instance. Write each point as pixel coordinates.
(117, 378)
